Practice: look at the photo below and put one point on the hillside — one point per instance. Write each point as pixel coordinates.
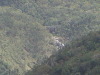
(81, 57)
(23, 42)
(66, 18)
(33, 30)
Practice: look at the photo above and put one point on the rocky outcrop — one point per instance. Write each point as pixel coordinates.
(58, 42)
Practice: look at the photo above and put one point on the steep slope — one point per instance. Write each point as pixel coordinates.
(66, 18)
(23, 42)
(81, 57)
(24, 26)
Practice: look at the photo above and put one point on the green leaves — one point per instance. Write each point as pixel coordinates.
(75, 59)
(21, 39)
(25, 40)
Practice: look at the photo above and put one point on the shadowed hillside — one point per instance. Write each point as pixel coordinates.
(81, 57)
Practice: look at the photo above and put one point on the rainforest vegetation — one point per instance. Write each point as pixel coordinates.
(80, 57)
(28, 29)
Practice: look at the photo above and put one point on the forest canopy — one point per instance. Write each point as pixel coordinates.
(27, 29)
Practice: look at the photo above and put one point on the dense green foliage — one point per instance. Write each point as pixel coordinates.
(68, 18)
(22, 41)
(81, 57)
(3, 68)
(27, 28)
